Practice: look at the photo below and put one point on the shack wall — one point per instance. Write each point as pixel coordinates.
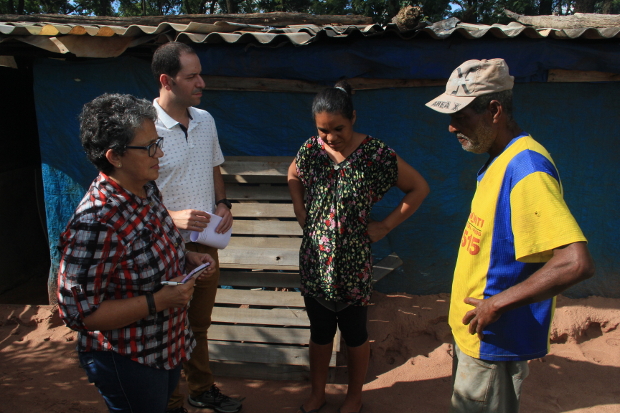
(573, 120)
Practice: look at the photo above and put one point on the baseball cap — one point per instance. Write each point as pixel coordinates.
(470, 80)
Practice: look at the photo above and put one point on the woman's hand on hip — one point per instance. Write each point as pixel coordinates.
(377, 230)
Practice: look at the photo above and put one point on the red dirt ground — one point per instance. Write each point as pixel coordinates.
(409, 370)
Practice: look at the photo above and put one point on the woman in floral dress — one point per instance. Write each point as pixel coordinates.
(334, 181)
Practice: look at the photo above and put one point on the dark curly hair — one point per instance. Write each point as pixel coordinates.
(167, 59)
(336, 100)
(110, 122)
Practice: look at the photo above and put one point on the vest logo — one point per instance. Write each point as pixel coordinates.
(472, 234)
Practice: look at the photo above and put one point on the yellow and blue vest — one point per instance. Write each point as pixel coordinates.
(518, 216)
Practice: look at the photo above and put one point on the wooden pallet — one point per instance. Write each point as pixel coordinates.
(260, 328)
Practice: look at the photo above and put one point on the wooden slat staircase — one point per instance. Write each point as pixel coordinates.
(260, 329)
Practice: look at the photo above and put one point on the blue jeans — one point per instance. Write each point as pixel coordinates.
(128, 386)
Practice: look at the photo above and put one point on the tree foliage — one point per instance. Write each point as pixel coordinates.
(381, 11)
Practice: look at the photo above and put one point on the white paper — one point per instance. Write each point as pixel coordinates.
(209, 237)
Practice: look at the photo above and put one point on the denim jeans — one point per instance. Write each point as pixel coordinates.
(481, 386)
(128, 386)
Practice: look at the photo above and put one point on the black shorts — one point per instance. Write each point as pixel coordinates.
(323, 322)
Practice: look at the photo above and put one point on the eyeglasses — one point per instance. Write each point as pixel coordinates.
(152, 148)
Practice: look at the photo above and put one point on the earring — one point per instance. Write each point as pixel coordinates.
(119, 165)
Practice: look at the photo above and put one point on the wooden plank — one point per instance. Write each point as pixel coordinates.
(262, 353)
(265, 335)
(256, 165)
(386, 266)
(265, 257)
(359, 83)
(575, 21)
(262, 228)
(288, 243)
(263, 210)
(274, 19)
(274, 317)
(257, 193)
(573, 76)
(256, 84)
(260, 297)
(254, 179)
(257, 267)
(256, 334)
(260, 279)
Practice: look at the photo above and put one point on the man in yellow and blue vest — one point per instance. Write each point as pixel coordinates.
(520, 248)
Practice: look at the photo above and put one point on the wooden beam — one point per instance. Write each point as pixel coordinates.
(575, 21)
(253, 84)
(265, 242)
(261, 298)
(259, 334)
(262, 210)
(569, 76)
(386, 266)
(258, 193)
(261, 257)
(275, 317)
(278, 19)
(262, 228)
(260, 279)
(254, 179)
(359, 83)
(255, 267)
(256, 165)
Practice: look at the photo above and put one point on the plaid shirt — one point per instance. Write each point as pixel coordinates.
(116, 246)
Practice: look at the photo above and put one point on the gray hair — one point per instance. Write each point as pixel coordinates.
(110, 121)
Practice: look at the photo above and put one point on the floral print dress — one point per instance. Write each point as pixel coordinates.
(335, 259)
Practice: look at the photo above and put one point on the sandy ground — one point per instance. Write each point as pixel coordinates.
(409, 370)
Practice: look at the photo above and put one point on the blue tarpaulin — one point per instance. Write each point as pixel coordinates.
(577, 122)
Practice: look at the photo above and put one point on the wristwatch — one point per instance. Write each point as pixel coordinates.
(225, 202)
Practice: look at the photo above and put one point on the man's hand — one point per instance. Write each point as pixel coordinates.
(569, 265)
(227, 218)
(484, 314)
(190, 219)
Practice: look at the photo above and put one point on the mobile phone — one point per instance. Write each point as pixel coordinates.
(195, 272)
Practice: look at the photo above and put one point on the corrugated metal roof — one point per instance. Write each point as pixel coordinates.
(91, 40)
